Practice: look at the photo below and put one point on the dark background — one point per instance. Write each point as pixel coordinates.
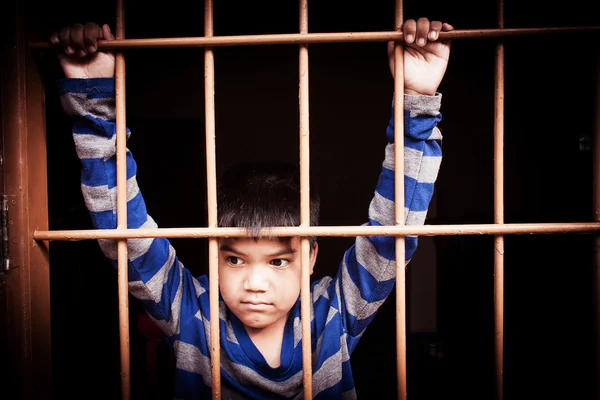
(550, 89)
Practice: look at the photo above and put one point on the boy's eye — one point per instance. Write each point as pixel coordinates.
(234, 260)
(280, 263)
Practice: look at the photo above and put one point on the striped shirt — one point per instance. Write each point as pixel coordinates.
(342, 306)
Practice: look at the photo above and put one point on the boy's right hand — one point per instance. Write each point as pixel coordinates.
(77, 51)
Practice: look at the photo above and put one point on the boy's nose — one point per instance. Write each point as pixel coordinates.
(256, 281)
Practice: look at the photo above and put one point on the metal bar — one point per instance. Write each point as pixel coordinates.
(596, 217)
(303, 100)
(399, 206)
(339, 231)
(123, 284)
(499, 207)
(211, 193)
(313, 38)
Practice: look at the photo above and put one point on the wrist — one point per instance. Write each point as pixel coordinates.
(83, 76)
(86, 75)
(411, 92)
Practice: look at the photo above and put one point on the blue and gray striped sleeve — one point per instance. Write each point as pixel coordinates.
(156, 276)
(367, 273)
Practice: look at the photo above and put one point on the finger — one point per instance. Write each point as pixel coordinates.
(390, 48)
(55, 44)
(422, 31)
(434, 30)
(91, 33)
(446, 27)
(409, 28)
(53, 39)
(77, 40)
(391, 60)
(65, 39)
(107, 33)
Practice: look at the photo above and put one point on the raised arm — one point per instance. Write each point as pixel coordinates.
(168, 291)
(367, 274)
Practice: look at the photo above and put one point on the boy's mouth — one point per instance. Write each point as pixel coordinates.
(256, 305)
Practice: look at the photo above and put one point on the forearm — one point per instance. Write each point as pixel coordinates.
(156, 275)
(91, 103)
(422, 158)
(368, 269)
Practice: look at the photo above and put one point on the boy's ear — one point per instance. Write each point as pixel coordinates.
(313, 257)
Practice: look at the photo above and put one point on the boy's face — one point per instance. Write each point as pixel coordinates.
(260, 279)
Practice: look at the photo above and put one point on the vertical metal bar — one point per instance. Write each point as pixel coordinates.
(596, 217)
(499, 206)
(399, 205)
(211, 192)
(305, 204)
(122, 206)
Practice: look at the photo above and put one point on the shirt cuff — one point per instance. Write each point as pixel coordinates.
(422, 103)
(92, 86)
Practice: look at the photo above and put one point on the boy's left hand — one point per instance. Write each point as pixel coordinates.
(425, 58)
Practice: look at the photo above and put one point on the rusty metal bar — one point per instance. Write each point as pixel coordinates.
(499, 207)
(341, 231)
(596, 217)
(399, 205)
(211, 193)
(305, 202)
(123, 284)
(313, 38)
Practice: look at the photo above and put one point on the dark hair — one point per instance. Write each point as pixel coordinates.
(257, 195)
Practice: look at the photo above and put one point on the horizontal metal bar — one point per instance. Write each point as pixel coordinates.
(300, 38)
(341, 231)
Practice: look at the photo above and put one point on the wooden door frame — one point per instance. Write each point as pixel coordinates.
(27, 282)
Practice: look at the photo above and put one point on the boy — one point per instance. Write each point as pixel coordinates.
(259, 276)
